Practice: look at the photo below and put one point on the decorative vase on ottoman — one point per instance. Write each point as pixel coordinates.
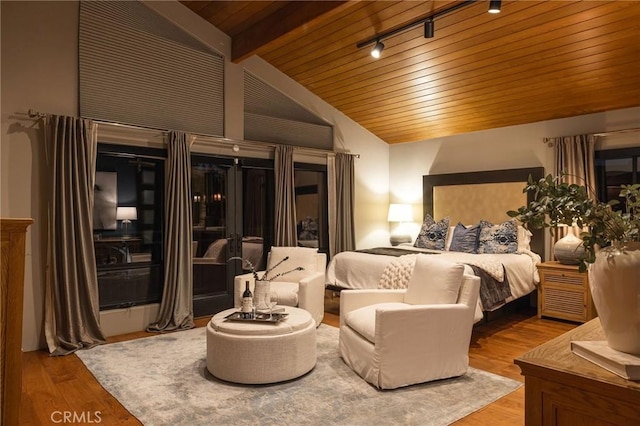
(261, 294)
(614, 279)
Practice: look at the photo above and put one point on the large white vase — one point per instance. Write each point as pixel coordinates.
(614, 279)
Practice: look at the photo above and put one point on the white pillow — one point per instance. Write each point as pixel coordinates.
(524, 238)
(298, 256)
(434, 280)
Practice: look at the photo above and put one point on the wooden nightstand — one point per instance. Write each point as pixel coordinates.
(564, 293)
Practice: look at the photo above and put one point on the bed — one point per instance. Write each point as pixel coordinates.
(466, 199)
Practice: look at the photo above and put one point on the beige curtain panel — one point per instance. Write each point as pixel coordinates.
(345, 190)
(71, 284)
(332, 203)
(285, 204)
(575, 156)
(176, 307)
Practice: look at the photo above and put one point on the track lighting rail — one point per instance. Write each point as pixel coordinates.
(414, 24)
(428, 21)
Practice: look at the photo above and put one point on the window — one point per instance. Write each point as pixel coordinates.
(312, 206)
(614, 168)
(233, 208)
(128, 225)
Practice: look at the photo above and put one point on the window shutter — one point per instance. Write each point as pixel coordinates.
(138, 68)
(271, 116)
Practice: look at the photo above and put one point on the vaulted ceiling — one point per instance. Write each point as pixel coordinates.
(534, 61)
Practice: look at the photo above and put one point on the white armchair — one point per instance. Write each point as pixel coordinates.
(395, 338)
(303, 289)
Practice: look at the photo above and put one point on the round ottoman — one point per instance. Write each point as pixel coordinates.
(256, 352)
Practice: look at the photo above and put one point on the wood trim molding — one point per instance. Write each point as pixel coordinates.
(12, 253)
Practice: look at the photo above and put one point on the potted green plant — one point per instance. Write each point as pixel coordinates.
(559, 203)
(611, 240)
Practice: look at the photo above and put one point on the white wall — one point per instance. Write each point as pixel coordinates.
(503, 148)
(39, 71)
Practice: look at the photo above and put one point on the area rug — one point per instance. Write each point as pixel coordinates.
(163, 380)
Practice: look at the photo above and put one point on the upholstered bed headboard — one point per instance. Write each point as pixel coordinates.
(469, 197)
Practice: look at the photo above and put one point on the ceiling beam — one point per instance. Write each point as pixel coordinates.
(294, 15)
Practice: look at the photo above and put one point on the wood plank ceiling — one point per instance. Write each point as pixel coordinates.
(534, 61)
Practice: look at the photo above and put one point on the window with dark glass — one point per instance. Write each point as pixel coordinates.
(233, 216)
(614, 168)
(311, 206)
(128, 225)
(233, 208)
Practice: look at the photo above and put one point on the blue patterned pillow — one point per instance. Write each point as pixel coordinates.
(465, 239)
(432, 234)
(497, 239)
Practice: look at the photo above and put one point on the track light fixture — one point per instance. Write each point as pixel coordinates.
(429, 25)
(494, 6)
(377, 50)
(429, 28)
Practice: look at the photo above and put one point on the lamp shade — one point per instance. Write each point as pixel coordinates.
(400, 213)
(126, 213)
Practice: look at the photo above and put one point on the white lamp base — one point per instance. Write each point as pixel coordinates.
(398, 239)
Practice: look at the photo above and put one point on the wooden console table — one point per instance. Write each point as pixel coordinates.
(562, 388)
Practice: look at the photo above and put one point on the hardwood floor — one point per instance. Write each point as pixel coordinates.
(57, 386)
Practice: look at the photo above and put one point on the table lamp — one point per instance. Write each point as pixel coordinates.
(126, 215)
(400, 213)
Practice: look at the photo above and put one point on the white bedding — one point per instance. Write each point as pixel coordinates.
(354, 270)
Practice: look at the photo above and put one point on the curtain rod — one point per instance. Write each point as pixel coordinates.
(637, 129)
(36, 115)
(612, 132)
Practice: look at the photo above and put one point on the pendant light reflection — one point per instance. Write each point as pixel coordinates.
(377, 50)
